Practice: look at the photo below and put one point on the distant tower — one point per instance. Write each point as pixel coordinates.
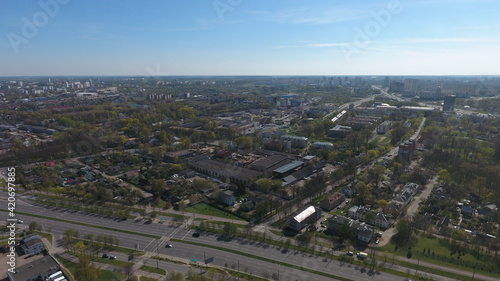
(439, 90)
(449, 103)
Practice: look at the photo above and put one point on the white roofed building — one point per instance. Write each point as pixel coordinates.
(298, 220)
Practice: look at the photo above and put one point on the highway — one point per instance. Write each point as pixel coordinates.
(187, 251)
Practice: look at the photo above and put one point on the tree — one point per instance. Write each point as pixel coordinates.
(85, 269)
(363, 193)
(229, 228)
(404, 232)
(158, 186)
(383, 204)
(34, 226)
(89, 237)
(370, 216)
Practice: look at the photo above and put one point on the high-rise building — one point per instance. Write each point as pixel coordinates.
(411, 88)
(449, 103)
(396, 87)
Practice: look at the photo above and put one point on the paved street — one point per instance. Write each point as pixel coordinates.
(186, 251)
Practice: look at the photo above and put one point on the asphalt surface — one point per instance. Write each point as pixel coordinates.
(187, 251)
(198, 253)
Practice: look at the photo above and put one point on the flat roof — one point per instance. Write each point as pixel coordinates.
(43, 266)
(226, 169)
(288, 167)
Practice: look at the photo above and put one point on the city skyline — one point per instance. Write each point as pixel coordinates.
(238, 37)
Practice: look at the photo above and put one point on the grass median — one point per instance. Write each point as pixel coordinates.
(89, 225)
(264, 259)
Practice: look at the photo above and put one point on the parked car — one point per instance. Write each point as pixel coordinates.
(105, 256)
(196, 234)
(112, 257)
(168, 246)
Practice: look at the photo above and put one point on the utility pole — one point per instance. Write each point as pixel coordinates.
(418, 263)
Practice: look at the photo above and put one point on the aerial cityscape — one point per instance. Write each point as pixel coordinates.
(248, 140)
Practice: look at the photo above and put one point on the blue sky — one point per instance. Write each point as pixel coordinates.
(249, 37)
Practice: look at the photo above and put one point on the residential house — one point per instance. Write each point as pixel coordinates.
(332, 201)
(360, 230)
(379, 219)
(32, 244)
(298, 220)
(384, 127)
(323, 145)
(358, 212)
(339, 131)
(467, 212)
(406, 194)
(382, 220)
(363, 232)
(247, 206)
(227, 197)
(295, 141)
(350, 189)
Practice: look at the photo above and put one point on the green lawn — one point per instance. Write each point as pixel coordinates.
(153, 269)
(382, 140)
(276, 232)
(104, 275)
(442, 252)
(208, 210)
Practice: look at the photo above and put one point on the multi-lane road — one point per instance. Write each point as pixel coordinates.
(188, 251)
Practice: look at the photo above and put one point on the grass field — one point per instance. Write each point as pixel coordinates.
(442, 252)
(381, 140)
(104, 275)
(208, 210)
(153, 269)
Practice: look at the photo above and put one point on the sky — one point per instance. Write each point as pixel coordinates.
(249, 37)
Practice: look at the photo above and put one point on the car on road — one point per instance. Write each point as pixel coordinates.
(112, 257)
(377, 241)
(168, 246)
(20, 221)
(105, 256)
(350, 253)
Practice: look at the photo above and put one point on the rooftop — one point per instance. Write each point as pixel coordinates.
(43, 266)
(288, 167)
(305, 214)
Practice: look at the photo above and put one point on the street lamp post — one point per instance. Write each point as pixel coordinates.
(157, 252)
